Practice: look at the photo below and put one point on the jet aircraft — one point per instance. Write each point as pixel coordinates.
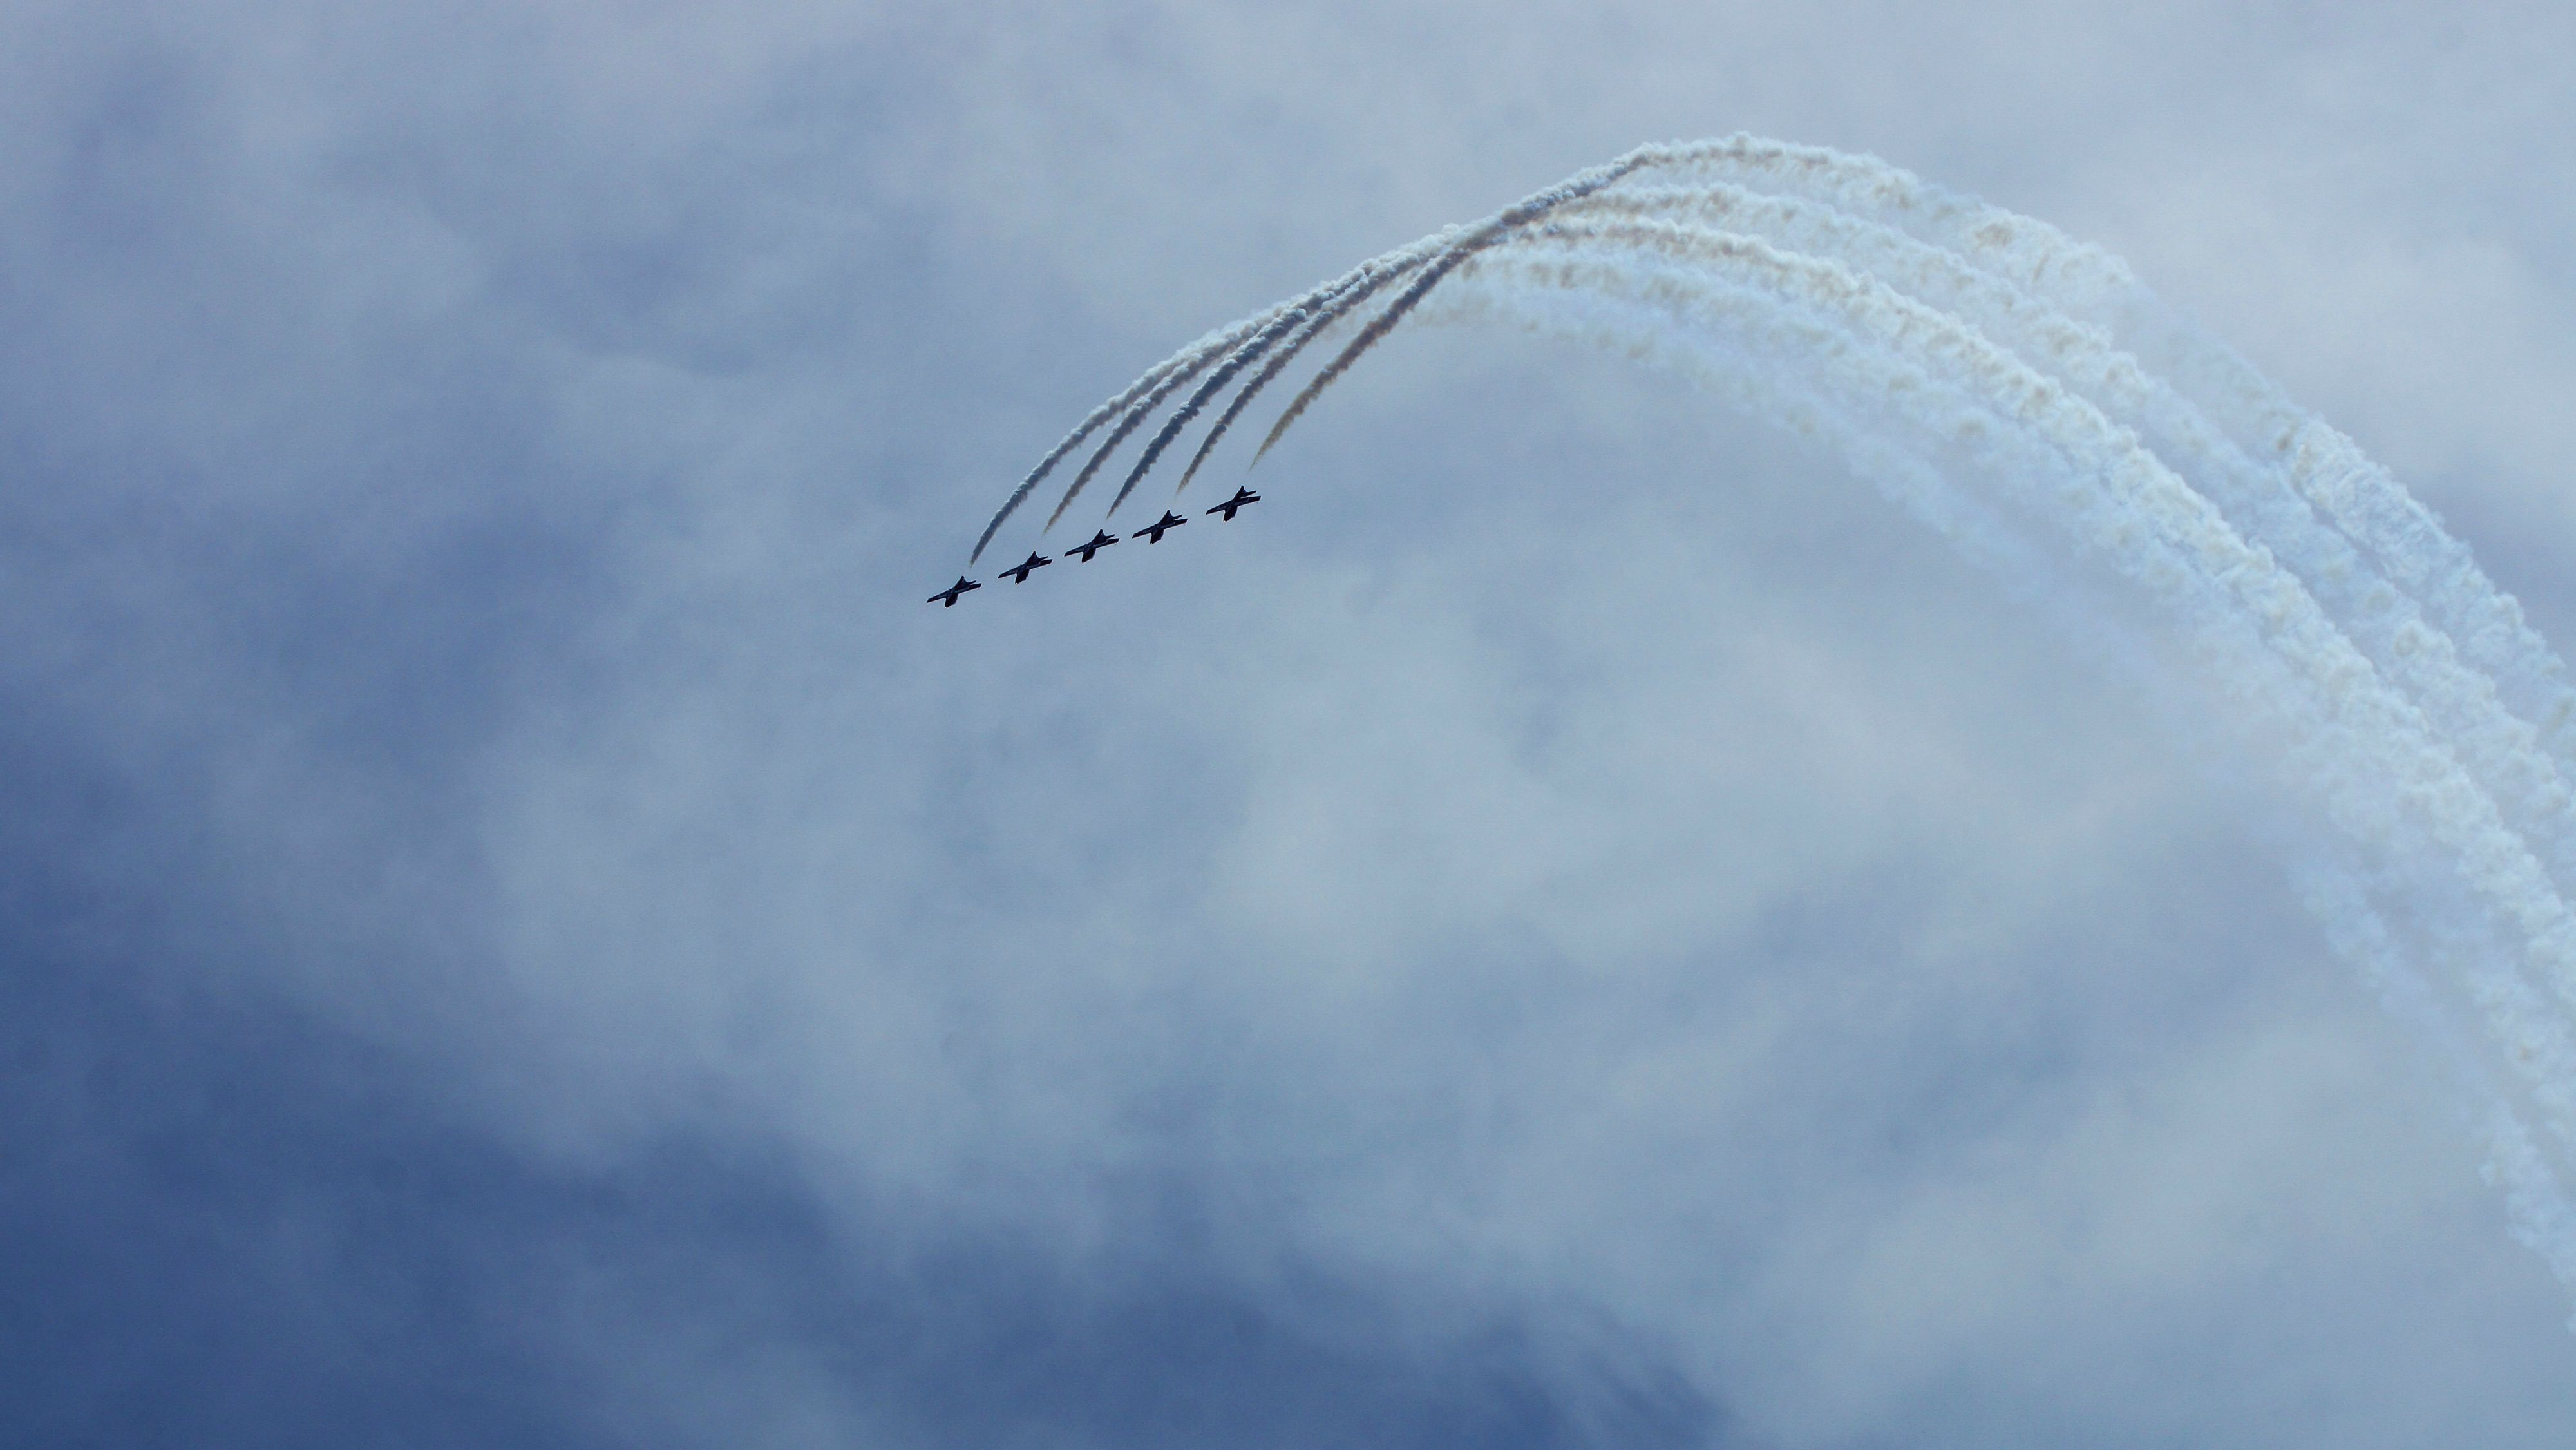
(947, 598)
(1242, 497)
(1162, 526)
(1099, 541)
(1019, 573)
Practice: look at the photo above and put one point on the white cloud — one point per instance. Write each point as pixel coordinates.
(1563, 848)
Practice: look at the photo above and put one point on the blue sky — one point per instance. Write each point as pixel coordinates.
(1573, 923)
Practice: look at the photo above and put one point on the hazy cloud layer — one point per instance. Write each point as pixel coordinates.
(1570, 924)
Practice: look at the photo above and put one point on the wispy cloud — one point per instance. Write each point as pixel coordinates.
(1575, 922)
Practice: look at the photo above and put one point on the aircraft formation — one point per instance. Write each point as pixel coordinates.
(1275, 337)
(1153, 534)
(1586, 210)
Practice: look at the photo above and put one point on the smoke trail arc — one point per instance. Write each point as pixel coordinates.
(1305, 317)
(1114, 407)
(1496, 229)
(2025, 395)
(1333, 311)
(2100, 290)
(2127, 504)
(1323, 305)
(1178, 372)
(2386, 622)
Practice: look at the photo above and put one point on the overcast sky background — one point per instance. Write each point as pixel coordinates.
(1573, 923)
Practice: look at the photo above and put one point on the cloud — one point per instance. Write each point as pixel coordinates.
(1570, 923)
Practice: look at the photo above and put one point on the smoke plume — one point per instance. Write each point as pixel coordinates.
(2025, 395)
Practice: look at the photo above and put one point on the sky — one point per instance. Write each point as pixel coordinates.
(1573, 923)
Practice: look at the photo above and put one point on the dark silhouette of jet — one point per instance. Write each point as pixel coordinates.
(1019, 573)
(1099, 541)
(1242, 496)
(947, 598)
(1162, 526)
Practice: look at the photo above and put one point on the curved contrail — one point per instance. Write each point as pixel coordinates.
(2531, 785)
(2151, 524)
(1090, 425)
(1952, 351)
(1141, 409)
(1477, 239)
(2092, 285)
(1305, 316)
(1334, 310)
(2280, 650)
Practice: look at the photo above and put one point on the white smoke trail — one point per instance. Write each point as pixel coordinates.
(2501, 750)
(1298, 322)
(1761, 374)
(2113, 495)
(1333, 309)
(1992, 375)
(1116, 407)
(2535, 1205)
(2367, 754)
(1142, 408)
(1465, 246)
(2092, 285)
(1231, 348)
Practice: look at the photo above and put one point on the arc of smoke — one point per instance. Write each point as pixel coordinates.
(1477, 238)
(2079, 278)
(1378, 327)
(1091, 424)
(2418, 697)
(2171, 512)
(2149, 523)
(1315, 327)
(1492, 231)
(1141, 398)
(2360, 496)
(1055, 455)
(1143, 408)
(2368, 503)
(1148, 391)
(1235, 362)
(2534, 1201)
(1306, 317)
(2503, 752)
(1495, 231)
(1751, 380)
(2536, 1204)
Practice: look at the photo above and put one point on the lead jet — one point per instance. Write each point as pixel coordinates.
(947, 598)
(1242, 497)
(1019, 573)
(1162, 526)
(1099, 541)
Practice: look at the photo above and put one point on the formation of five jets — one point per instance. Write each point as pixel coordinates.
(1019, 573)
